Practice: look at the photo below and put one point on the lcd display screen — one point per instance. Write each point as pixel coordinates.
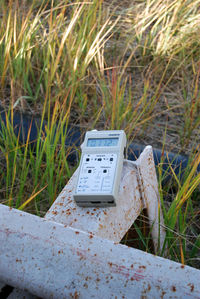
(102, 142)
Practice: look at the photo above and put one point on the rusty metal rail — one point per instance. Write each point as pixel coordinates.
(74, 251)
(54, 261)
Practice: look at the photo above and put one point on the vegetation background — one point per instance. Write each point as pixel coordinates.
(132, 65)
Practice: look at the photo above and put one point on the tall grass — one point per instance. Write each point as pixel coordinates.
(181, 218)
(28, 169)
(169, 27)
(100, 65)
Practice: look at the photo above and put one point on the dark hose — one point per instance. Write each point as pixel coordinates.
(177, 162)
(22, 123)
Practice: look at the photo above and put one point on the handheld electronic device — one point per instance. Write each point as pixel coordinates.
(100, 168)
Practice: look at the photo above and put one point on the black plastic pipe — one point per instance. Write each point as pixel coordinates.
(167, 160)
(22, 124)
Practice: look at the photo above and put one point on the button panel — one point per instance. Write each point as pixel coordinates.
(97, 174)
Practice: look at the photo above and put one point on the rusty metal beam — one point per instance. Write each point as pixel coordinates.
(110, 223)
(138, 190)
(150, 195)
(54, 261)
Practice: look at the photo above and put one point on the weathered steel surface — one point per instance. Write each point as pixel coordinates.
(150, 194)
(54, 261)
(138, 189)
(110, 223)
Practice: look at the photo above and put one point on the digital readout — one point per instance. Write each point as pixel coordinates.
(101, 142)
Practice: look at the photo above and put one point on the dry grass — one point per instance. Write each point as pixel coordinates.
(132, 65)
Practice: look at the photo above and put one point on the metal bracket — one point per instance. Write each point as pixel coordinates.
(138, 190)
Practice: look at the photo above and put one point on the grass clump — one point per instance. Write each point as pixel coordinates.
(108, 66)
(169, 27)
(34, 166)
(180, 216)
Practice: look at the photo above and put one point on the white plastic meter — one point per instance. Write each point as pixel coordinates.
(100, 168)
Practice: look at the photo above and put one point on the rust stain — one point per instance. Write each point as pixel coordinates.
(76, 232)
(120, 269)
(143, 267)
(88, 278)
(18, 260)
(173, 288)
(191, 285)
(146, 290)
(149, 288)
(76, 295)
(163, 294)
(54, 212)
(81, 254)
